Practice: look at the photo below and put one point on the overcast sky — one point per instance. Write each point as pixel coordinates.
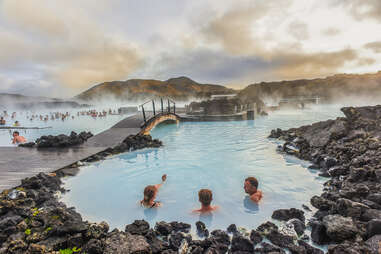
(60, 48)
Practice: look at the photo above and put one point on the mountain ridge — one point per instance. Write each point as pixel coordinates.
(179, 88)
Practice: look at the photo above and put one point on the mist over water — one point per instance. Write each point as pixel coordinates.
(214, 155)
(56, 127)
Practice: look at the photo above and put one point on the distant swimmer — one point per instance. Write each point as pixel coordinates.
(251, 188)
(16, 124)
(17, 139)
(150, 193)
(2, 121)
(205, 197)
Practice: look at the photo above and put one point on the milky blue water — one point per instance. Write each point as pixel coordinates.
(213, 155)
(56, 127)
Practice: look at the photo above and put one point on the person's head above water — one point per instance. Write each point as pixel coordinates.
(251, 187)
(149, 193)
(205, 197)
(16, 133)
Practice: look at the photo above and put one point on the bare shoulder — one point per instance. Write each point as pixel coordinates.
(196, 211)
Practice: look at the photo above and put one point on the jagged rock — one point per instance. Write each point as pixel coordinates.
(255, 237)
(375, 197)
(287, 214)
(61, 140)
(309, 248)
(371, 214)
(163, 228)
(36, 249)
(94, 246)
(348, 208)
(221, 237)
(232, 229)
(339, 228)
(319, 233)
(125, 243)
(201, 229)
(176, 239)
(349, 248)
(295, 249)
(180, 227)
(268, 248)
(321, 203)
(97, 231)
(138, 227)
(267, 227)
(279, 239)
(373, 243)
(240, 243)
(157, 245)
(299, 226)
(373, 227)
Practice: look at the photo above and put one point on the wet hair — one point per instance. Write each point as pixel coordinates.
(16, 132)
(205, 196)
(253, 181)
(149, 193)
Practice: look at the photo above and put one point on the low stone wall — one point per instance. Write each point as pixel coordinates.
(348, 151)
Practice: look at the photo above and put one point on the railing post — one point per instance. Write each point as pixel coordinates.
(144, 115)
(169, 107)
(174, 108)
(162, 108)
(153, 107)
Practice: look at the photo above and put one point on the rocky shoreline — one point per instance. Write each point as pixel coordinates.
(32, 220)
(60, 141)
(348, 151)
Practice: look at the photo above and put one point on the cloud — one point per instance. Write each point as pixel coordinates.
(254, 54)
(308, 65)
(374, 46)
(70, 48)
(234, 29)
(299, 30)
(331, 31)
(362, 9)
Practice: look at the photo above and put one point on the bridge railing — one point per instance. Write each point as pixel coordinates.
(155, 107)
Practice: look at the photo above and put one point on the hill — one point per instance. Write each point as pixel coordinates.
(181, 89)
(332, 88)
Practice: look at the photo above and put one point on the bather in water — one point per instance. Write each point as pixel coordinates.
(150, 193)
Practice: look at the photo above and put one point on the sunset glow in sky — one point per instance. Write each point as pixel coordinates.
(60, 48)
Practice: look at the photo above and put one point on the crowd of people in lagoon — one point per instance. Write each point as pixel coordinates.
(205, 196)
(11, 119)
